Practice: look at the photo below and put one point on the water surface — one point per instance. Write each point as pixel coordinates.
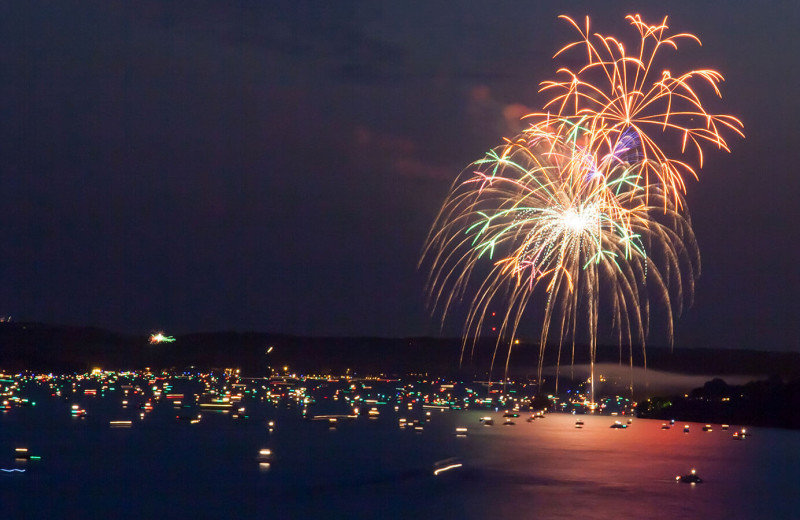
(371, 468)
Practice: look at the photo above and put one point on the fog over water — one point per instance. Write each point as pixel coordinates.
(646, 382)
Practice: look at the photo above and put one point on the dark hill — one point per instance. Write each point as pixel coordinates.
(42, 347)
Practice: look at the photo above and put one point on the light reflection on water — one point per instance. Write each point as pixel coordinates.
(367, 468)
(597, 471)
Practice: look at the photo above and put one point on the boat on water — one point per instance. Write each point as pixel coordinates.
(24, 454)
(690, 478)
(445, 465)
(216, 404)
(189, 417)
(332, 418)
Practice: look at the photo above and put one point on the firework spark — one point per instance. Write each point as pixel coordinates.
(622, 101)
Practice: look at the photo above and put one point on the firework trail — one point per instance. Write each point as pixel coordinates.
(621, 98)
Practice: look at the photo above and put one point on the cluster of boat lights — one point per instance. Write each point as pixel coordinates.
(225, 393)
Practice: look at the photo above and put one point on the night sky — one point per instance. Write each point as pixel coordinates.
(275, 165)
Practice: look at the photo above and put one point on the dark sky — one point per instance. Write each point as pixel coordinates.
(275, 166)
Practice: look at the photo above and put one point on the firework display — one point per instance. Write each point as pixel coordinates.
(582, 218)
(159, 337)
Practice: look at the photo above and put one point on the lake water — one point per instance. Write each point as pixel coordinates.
(371, 468)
